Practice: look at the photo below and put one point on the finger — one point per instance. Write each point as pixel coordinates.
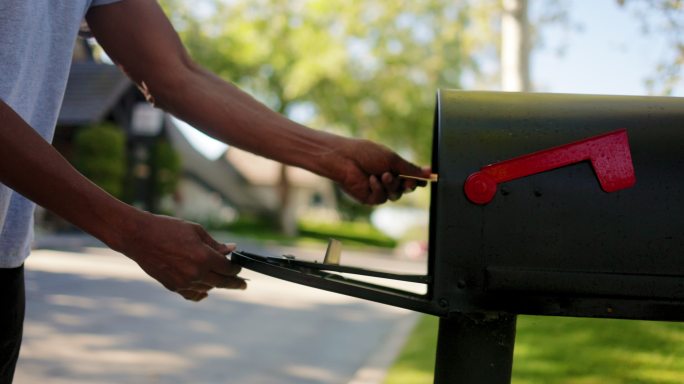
(412, 184)
(391, 182)
(220, 281)
(392, 186)
(218, 263)
(226, 248)
(409, 185)
(201, 286)
(427, 171)
(192, 295)
(221, 248)
(377, 192)
(207, 239)
(403, 167)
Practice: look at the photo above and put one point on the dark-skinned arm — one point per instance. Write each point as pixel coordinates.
(180, 255)
(138, 37)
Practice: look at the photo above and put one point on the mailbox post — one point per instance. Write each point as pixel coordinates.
(475, 349)
(546, 204)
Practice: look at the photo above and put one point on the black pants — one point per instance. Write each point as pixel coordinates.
(12, 304)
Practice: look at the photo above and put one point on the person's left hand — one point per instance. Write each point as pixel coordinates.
(370, 172)
(181, 255)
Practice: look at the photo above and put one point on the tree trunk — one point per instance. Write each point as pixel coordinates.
(287, 215)
(515, 47)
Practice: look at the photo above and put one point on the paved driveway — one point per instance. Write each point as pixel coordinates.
(94, 317)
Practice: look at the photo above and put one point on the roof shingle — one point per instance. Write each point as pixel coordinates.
(92, 91)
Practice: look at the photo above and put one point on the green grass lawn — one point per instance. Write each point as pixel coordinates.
(352, 234)
(554, 350)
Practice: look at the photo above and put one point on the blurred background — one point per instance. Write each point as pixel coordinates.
(367, 69)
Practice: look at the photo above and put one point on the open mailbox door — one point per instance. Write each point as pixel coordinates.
(549, 204)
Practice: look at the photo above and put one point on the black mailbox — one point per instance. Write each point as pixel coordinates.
(546, 204)
(554, 242)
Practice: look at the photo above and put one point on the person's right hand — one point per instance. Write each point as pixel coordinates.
(180, 255)
(369, 171)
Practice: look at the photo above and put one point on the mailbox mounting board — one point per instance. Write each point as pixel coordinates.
(554, 242)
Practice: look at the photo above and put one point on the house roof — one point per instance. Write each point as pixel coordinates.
(218, 175)
(92, 91)
(261, 171)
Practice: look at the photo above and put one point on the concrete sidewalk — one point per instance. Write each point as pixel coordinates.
(94, 317)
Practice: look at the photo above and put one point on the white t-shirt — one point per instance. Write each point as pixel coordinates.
(37, 38)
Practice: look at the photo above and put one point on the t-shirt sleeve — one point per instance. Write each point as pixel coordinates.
(95, 3)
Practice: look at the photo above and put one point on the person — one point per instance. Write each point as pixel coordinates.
(36, 43)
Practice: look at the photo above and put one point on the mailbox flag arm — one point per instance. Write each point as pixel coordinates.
(608, 153)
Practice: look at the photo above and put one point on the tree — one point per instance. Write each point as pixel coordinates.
(665, 17)
(365, 68)
(369, 69)
(515, 46)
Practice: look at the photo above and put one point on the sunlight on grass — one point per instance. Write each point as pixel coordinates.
(567, 351)
(355, 235)
(416, 362)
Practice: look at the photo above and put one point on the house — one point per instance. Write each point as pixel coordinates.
(308, 195)
(235, 184)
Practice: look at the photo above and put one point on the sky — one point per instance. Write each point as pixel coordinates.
(608, 55)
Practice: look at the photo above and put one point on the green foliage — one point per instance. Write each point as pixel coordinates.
(100, 155)
(352, 234)
(365, 68)
(369, 69)
(168, 165)
(362, 233)
(664, 18)
(554, 350)
(349, 209)
(597, 351)
(416, 363)
(247, 226)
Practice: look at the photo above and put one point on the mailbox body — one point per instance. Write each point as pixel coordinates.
(555, 243)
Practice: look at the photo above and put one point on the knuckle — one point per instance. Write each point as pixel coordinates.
(191, 273)
(198, 229)
(178, 284)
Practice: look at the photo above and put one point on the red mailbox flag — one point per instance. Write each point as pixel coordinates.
(608, 153)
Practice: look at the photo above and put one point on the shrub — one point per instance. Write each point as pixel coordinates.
(168, 165)
(100, 155)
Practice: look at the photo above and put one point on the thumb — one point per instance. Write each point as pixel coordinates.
(221, 248)
(225, 249)
(409, 169)
(404, 167)
(426, 171)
